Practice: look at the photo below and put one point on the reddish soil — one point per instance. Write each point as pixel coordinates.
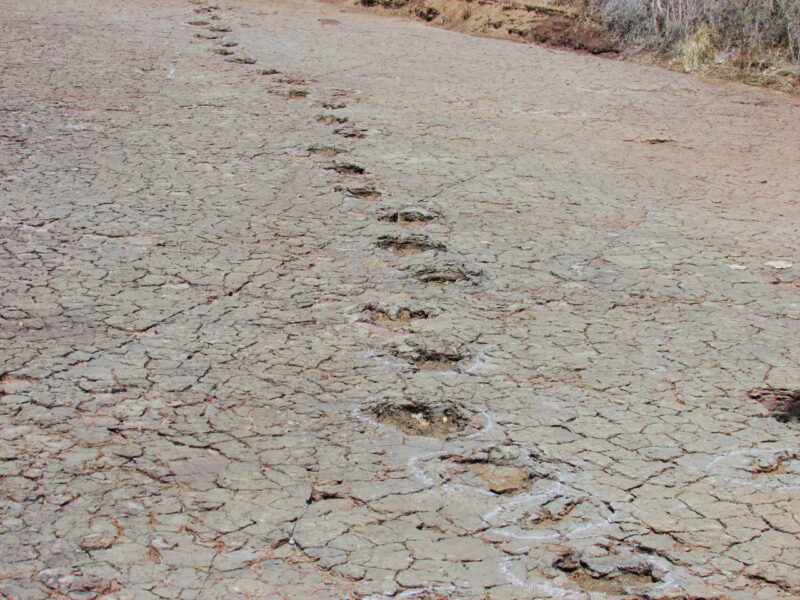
(548, 26)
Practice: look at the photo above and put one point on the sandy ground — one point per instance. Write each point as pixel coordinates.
(300, 302)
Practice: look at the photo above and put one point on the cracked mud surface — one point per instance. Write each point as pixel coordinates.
(187, 364)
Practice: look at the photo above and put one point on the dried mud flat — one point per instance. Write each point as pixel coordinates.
(302, 303)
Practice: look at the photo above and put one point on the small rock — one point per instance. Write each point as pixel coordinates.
(778, 264)
(502, 479)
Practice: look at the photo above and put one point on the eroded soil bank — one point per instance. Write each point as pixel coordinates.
(555, 26)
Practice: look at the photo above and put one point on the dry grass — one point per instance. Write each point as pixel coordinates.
(698, 51)
(754, 40)
(755, 25)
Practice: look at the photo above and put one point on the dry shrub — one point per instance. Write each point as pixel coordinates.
(733, 26)
(698, 51)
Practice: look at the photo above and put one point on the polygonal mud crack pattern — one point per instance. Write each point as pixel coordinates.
(610, 576)
(393, 317)
(782, 404)
(780, 463)
(432, 354)
(409, 216)
(432, 418)
(777, 468)
(510, 494)
(497, 475)
(200, 435)
(446, 273)
(555, 510)
(73, 584)
(409, 244)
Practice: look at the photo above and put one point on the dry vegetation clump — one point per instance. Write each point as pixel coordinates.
(754, 40)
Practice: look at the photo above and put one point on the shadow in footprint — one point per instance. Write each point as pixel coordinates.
(409, 216)
(393, 317)
(416, 416)
(362, 193)
(408, 244)
(346, 169)
(445, 273)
